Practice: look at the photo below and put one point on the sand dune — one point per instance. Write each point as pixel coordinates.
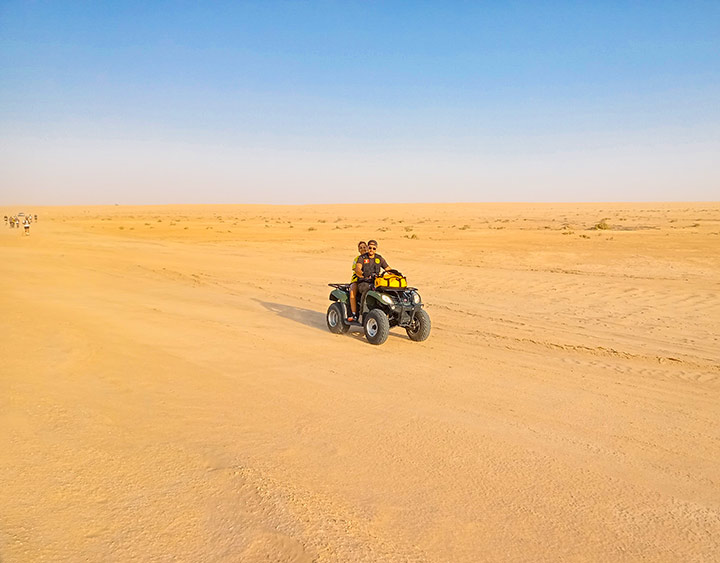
(170, 390)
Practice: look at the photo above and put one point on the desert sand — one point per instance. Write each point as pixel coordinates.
(170, 391)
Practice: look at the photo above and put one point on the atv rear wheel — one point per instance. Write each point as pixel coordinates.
(377, 327)
(334, 319)
(419, 329)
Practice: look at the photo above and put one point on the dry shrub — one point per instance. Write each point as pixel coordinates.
(602, 225)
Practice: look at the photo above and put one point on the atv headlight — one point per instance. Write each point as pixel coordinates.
(416, 298)
(387, 299)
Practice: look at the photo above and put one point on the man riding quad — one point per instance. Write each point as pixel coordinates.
(367, 268)
(384, 302)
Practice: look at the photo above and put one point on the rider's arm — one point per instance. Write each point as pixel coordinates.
(358, 269)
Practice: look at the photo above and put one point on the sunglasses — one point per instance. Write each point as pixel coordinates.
(372, 247)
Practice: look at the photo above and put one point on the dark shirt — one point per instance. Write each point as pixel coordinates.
(372, 266)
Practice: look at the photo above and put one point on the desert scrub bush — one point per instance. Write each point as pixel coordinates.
(602, 225)
(121, 228)
(584, 236)
(408, 229)
(464, 227)
(312, 229)
(412, 236)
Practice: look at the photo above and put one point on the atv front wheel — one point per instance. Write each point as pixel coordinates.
(334, 319)
(419, 329)
(377, 327)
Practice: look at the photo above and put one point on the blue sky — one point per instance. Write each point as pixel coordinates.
(321, 102)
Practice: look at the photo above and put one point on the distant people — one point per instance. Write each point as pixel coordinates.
(368, 267)
(35, 217)
(362, 249)
(26, 224)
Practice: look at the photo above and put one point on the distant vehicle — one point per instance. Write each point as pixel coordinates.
(389, 303)
(21, 214)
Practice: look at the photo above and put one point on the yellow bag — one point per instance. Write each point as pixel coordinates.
(390, 280)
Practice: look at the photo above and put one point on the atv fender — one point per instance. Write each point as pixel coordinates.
(337, 295)
(373, 298)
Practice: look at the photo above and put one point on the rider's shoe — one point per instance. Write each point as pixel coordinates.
(352, 318)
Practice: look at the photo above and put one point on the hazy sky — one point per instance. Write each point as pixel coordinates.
(313, 102)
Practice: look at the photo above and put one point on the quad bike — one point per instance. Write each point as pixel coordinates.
(382, 308)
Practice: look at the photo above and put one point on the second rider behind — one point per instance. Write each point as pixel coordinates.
(362, 249)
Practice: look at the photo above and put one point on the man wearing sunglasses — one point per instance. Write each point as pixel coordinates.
(368, 267)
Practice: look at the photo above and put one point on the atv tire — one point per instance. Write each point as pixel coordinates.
(334, 319)
(377, 327)
(419, 329)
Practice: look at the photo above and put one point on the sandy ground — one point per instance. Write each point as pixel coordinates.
(170, 391)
